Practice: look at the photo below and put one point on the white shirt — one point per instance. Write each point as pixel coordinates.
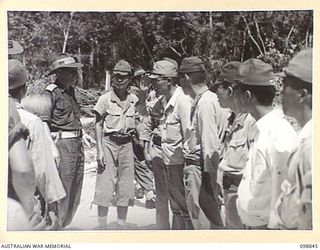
(273, 140)
(297, 187)
(174, 126)
(39, 147)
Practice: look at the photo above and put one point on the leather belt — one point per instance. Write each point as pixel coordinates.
(192, 162)
(119, 138)
(67, 134)
(231, 179)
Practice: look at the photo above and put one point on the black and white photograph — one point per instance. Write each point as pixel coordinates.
(160, 120)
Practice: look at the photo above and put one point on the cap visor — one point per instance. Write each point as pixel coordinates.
(122, 73)
(153, 76)
(280, 74)
(73, 65)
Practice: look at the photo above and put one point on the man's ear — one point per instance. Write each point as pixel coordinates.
(303, 94)
(248, 95)
(230, 91)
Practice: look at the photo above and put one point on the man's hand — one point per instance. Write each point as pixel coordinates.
(88, 140)
(101, 165)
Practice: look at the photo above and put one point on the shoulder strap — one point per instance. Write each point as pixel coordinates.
(195, 103)
(51, 87)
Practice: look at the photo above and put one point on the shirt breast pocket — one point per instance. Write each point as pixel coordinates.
(63, 105)
(130, 119)
(237, 153)
(113, 119)
(173, 131)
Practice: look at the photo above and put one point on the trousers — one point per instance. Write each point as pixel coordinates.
(117, 176)
(192, 182)
(71, 170)
(181, 219)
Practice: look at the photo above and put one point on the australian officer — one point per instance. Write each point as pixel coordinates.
(65, 126)
(116, 119)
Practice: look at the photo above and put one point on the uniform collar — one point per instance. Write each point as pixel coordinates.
(264, 121)
(174, 97)
(306, 130)
(126, 104)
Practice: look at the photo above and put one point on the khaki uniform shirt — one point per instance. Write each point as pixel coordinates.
(235, 148)
(65, 115)
(203, 142)
(173, 125)
(120, 117)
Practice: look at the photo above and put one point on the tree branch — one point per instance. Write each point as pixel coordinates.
(287, 39)
(258, 33)
(250, 35)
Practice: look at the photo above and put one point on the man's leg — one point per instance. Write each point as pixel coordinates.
(181, 219)
(143, 176)
(208, 202)
(162, 197)
(71, 170)
(105, 182)
(192, 181)
(125, 182)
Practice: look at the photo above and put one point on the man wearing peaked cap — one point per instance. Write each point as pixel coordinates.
(168, 144)
(297, 103)
(64, 122)
(202, 147)
(234, 152)
(123, 68)
(271, 140)
(116, 123)
(191, 64)
(143, 174)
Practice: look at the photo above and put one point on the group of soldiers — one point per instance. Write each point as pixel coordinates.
(224, 146)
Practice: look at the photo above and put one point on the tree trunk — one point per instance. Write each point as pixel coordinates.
(80, 72)
(66, 34)
(90, 73)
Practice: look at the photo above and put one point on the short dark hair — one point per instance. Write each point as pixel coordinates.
(263, 94)
(297, 84)
(197, 77)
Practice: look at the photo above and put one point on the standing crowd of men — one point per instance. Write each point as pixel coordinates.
(207, 148)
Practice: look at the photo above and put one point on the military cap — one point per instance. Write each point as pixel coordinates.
(123, 68)
(139, 72)
(229, 72)
(63, 60)
(255, 72)
(300, 66)
(164, 68)
(17, 74)
(191, 64)
(171, 60)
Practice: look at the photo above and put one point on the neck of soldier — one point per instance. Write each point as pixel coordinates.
(64, 84)
(198, 88)
(235, 107)
(257, 111)
(121, 93)
(170, 93)
(304, 116)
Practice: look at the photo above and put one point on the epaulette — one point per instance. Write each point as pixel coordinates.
(51, 87)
